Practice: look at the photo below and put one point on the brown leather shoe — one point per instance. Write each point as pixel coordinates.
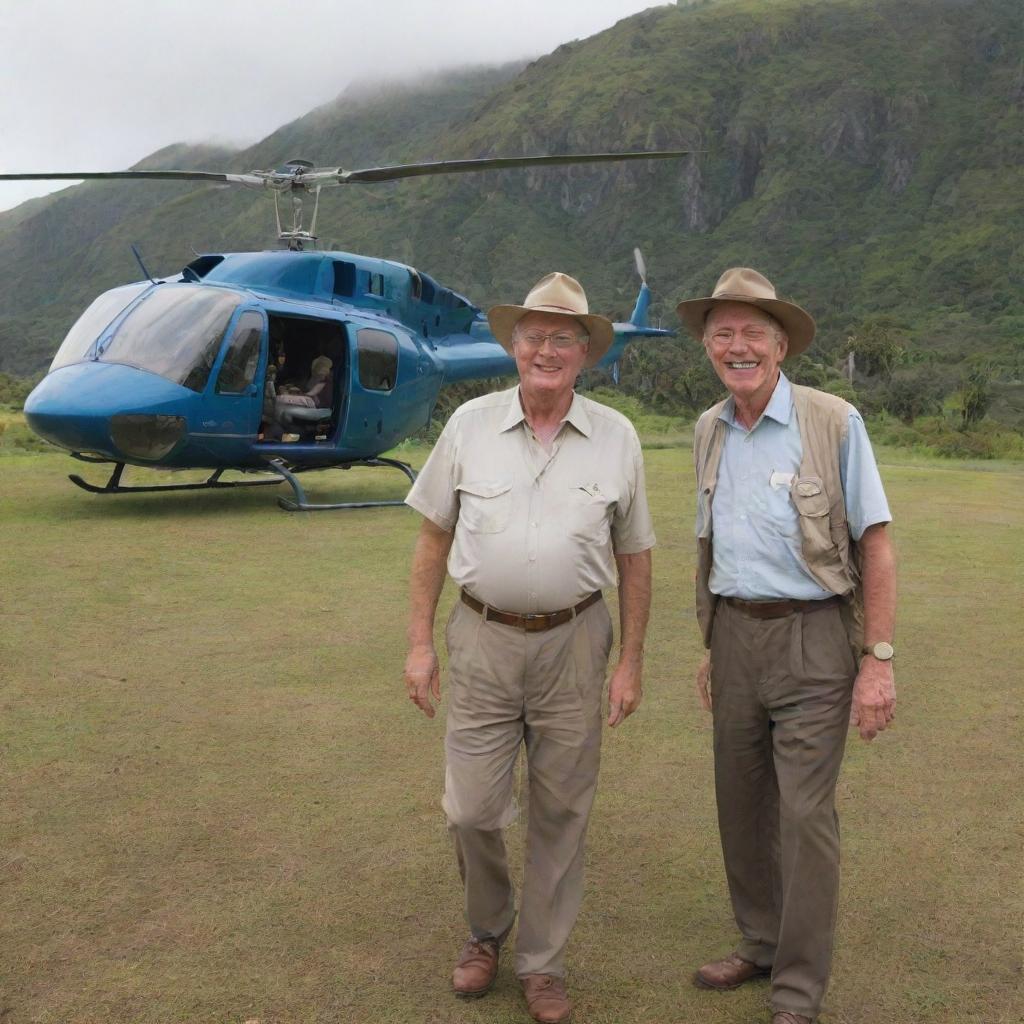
(476, 968)
(730, 972)
(546, 998)
(787, 1017)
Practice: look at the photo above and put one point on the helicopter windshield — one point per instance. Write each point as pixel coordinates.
(176, 333)
(92, 322)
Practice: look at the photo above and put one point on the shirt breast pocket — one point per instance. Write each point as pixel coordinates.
(589, 513)
(485, 505)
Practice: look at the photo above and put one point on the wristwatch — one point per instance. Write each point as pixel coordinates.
(882, 651)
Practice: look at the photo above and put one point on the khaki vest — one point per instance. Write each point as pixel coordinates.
(828, 550)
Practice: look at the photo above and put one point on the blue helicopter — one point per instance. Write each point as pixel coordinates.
(277, 362)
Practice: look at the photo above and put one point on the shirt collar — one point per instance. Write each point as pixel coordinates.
(779, 407)
(576, 416)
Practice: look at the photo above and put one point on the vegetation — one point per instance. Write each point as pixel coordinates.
(219, 806)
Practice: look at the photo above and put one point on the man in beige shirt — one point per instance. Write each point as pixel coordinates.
(535, 497)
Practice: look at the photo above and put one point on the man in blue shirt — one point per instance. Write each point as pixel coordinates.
(796, 600)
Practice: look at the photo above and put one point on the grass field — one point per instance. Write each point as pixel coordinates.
(217, 805)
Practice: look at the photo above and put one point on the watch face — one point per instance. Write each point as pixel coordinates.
(883, 651)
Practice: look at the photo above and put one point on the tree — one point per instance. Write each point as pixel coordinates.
(975, 396)
(877, 345)
(913, 393)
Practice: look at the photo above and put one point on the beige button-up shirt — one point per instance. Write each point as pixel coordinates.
(535, 530)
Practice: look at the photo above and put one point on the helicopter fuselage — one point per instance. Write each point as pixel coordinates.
(173, 373)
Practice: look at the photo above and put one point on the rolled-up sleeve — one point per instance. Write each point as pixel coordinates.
(866, 504)
(433, 494)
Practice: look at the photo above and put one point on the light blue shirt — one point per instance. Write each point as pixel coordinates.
(757, 542)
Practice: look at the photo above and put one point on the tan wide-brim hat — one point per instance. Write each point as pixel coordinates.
(741, 284)
(561, 294)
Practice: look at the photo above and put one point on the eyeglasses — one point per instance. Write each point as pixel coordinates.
(560, 339)
(724, 335)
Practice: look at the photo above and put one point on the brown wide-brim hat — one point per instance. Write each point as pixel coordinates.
(564, 296)
(741, 284)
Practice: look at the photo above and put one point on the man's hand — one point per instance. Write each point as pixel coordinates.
(423, 678)
(624, 692)
(703, 681)
(874, 697)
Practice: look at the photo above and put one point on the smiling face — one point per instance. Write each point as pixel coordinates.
(746, 347)
(547, 370)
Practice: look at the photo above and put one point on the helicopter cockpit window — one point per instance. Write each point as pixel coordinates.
(376, 284)
(415, 284)
(92, 322)
(239, 367)
(378, 359)
(175, 332)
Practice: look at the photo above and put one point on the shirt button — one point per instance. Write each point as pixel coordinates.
(743, 516)
(533, 524)
(533, 558)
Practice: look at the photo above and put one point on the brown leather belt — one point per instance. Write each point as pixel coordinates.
(533, 622)
(777, 609)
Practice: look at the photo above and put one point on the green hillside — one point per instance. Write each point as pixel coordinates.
(867, 155)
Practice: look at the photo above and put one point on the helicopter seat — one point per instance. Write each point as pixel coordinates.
(301, 416)
(302, 411)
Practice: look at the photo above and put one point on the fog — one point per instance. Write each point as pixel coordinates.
(99, 84)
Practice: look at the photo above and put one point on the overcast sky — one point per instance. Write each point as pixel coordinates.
(99, 84)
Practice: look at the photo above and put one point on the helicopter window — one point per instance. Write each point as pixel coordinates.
(202, 265)
(239, 367)
(378, 359)
(376, 284)
(176, 333)
(92, 322)
(415, 284)
(344, 278)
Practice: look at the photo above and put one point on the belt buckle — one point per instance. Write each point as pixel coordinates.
(529, 618)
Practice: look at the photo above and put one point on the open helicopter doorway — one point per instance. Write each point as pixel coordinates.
(304, 389)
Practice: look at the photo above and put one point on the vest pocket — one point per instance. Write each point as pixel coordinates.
(485, 505)
(812, 505)
(809, 496)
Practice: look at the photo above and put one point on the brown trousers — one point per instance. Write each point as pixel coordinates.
(507, 687)
(781, 692)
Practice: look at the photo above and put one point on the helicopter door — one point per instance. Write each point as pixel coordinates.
(375, 380)
(233, 403)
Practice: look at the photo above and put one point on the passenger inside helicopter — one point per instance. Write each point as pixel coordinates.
(302, 390)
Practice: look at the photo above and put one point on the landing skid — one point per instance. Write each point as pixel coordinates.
(114, 485)
(301, 504)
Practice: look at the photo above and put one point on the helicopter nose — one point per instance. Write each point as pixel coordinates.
(99, 408)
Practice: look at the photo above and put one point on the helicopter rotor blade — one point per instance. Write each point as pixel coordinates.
(397, 171)
(240, 179)
(303, 179)
(640, 263)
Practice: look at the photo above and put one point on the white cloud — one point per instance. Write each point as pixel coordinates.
(99, 84)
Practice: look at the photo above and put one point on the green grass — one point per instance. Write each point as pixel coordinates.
(217, 805)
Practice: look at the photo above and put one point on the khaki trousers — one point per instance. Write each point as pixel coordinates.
(507, 687)
(781, 692)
